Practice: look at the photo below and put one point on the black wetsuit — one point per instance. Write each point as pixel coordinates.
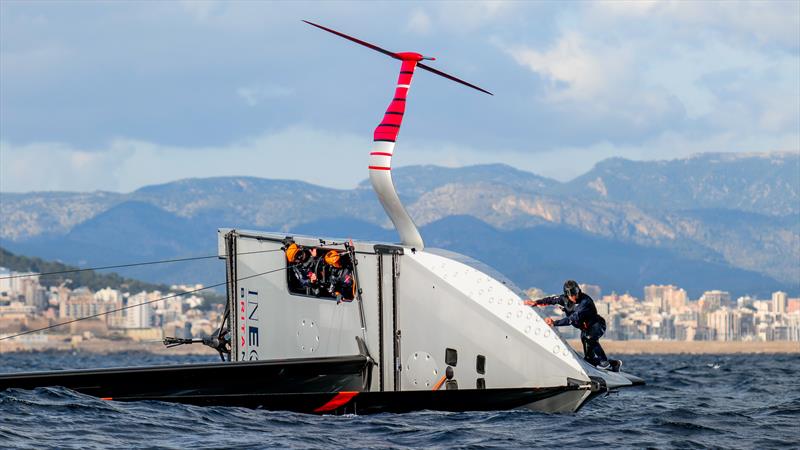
(302, 273)
(341, 283)
(582, 315)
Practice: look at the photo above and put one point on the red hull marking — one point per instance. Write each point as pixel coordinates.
(341, 399)
(106, 398)
(381, 154)
(380, 168)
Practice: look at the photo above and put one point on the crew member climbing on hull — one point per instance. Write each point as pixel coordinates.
(582, 314)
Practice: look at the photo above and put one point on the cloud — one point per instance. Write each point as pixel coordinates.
(419, 22)
(227, 78)
(598, 87)
(200, 10)
(302, 153)
(467, 17)
(575, 69)
(648, 69)
(296, 152)
(35, 60)
(256, 94)
(54, 166)
(775, 23)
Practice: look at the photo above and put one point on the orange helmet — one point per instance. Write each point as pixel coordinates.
(291, 252)
(332, 258)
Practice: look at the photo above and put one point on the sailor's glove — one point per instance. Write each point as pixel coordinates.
(532, 303)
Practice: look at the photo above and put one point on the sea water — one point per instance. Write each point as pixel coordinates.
(732, 401)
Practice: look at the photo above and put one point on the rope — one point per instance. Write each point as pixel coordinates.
(140, 304)
(146, 263)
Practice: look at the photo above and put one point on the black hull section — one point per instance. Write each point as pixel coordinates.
(352, 402)
(313, 385)
(204, 380)
(453, 400)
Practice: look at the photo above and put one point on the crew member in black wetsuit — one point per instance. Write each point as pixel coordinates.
(582, 314)
(303, 263)
(341, 283)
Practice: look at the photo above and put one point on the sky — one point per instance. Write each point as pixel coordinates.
(118, 95)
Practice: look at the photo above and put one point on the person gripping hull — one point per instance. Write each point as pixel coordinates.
(582, 314)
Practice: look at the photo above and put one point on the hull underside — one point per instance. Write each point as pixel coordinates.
(312, 385)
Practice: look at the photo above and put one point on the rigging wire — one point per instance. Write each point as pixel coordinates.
(143, 303)
(145, 263)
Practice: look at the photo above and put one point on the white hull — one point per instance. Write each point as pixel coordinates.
(414, 307)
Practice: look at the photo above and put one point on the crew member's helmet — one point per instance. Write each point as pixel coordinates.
(333, 259)
(291, 252)
(571, 288)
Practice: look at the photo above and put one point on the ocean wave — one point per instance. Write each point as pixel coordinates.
(686, 404)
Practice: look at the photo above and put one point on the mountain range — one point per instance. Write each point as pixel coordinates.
(712, 221)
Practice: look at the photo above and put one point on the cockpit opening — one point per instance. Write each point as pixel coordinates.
(320, 272)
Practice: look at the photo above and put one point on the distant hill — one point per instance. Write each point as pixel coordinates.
(734, 218)
(544, 256)
(540, 256)
(419, 180)
(763, 183)
(49, 213)
(88, 278)
(132, 232)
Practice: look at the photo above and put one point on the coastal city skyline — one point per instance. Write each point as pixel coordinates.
(662, 313)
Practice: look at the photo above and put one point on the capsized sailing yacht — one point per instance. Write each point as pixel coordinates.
(363, 327)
